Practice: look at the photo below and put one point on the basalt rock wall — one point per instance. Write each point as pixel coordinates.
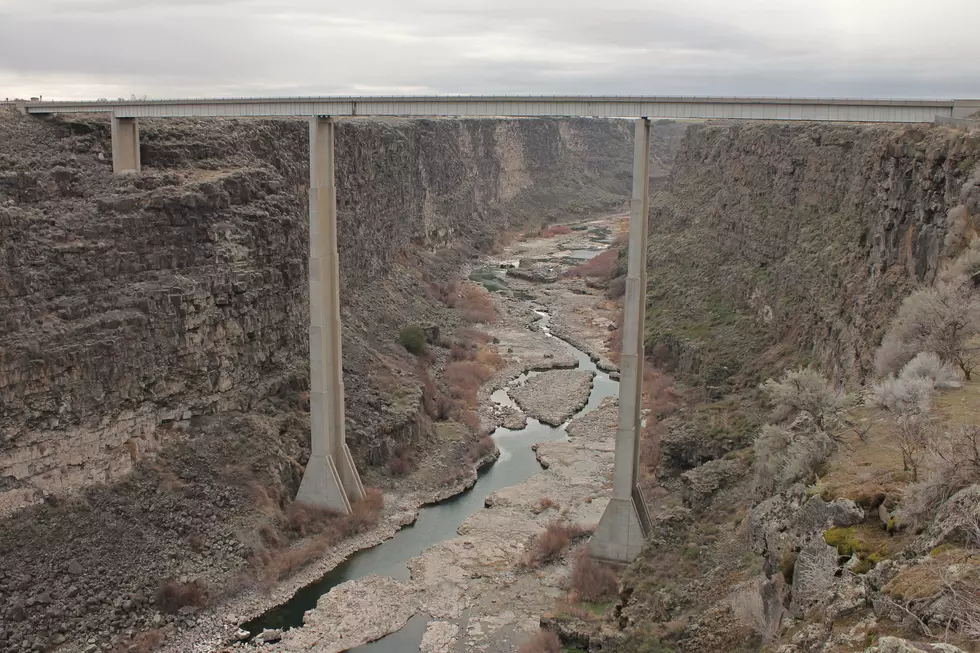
(129, 305)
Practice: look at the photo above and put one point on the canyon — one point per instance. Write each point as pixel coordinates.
(154, 363)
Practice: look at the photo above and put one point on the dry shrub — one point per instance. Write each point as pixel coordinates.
(470, 336)
(544, 641)
(447, 293)
(953, 463)
(402, 462)
(482, 447)
(602, 266)
(465, 378)
(903, 396)
(437, 405)
(784, 456)
(944, 319)
(593, 581)
(172, 595)
(552, 543)
(808, 391)
(476, 305)
(927, 365)
(659, 399)
(544, 503)
(490, 358)
(470, 420)
(502, 240)
(273, 563)
(304, 519)
(554, 230)
(365, 512)
(457, 353)
(616, 288)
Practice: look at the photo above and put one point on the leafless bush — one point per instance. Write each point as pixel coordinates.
(784, 456)
(457, 353)
(144, 642)
(808, 391)
(944, 319)
(913, 434)
(911, 396)
(814, 573)
(554, 230)
(544, 503)
(476, 305)
(481, 448)
(927, 365)
(593, 581)
(953, 463)
(552, 543)
(601, 266)
(465, 378)
(544, 641)
(750, 610)
(172, 595)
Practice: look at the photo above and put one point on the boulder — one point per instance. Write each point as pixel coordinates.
(899, 645)
(956, 522)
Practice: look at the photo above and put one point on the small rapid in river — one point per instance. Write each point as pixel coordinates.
(439, 522)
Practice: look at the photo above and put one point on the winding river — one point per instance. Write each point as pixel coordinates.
(440, 521)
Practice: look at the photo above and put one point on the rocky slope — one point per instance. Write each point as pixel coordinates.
(780, 242)
(774, 245)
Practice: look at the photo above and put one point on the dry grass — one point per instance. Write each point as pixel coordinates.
(172, 595)
(476, 305)
(544, 641)
(465, 378)
(490, 358)
(602, 266)
(593, 581)
(554, 230)
(551, 544)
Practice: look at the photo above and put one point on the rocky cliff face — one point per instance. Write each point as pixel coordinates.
(130, 306)
(795, 242)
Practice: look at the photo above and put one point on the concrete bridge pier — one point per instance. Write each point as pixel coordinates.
(330, 479)
(625, 524)
(125, 133)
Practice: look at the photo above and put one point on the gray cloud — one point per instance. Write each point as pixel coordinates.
(93, 48)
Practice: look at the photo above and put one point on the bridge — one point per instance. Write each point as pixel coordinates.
(330, 478)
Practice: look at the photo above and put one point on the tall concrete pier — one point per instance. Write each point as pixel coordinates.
(625, 523)
(330, 480)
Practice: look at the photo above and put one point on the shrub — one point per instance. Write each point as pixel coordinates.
(554, 230)
(944, 319)
(412, 338)
(172, 595)
(784, 456)
(814, 573)
(544, 503)
(476, 305)
(953, 463)
(552, 543)
(616, 288)
(808, 391)
(465, 378)
(593, 581)
(903, 396)
(457, 353)
(927, 365)
(401, 463)
(481, 448)
(470, 419)
(364, 512)
(144, 642)
(602, 266)
(544, 641)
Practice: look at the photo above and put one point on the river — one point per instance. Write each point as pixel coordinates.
(440, 521)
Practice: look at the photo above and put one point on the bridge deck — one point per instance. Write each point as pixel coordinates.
(822, 109)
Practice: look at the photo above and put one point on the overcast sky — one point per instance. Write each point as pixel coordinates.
(86, 49)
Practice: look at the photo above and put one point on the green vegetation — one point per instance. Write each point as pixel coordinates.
(412, 338)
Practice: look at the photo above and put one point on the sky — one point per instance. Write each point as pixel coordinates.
(89, 49)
